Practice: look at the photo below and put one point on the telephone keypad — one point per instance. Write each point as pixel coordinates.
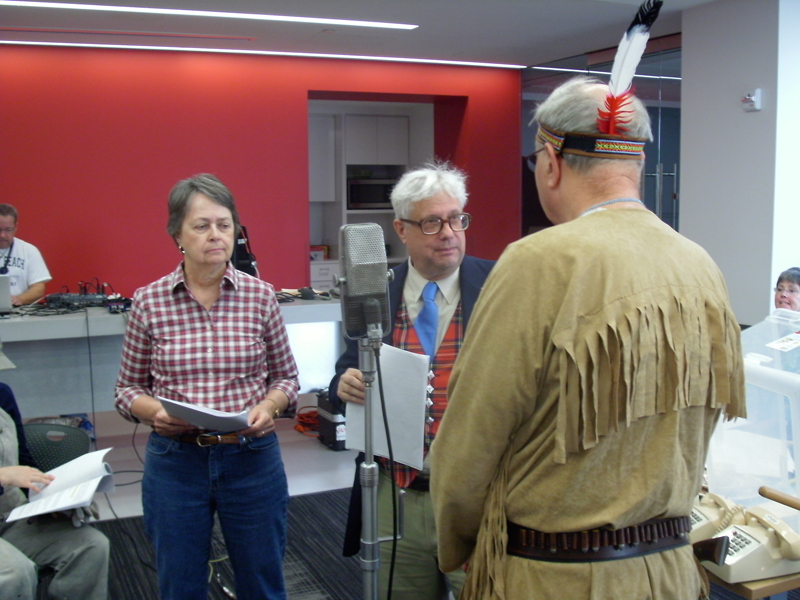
(739, 542)
(697, 517)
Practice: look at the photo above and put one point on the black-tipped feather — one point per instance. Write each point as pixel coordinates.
(647, 14)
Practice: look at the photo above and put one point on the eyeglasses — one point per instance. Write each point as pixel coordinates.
(531, 158)
(8, 230)
(790, 291)
(433, 225)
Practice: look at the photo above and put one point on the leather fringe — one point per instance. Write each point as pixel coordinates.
(653, 359)
(484, 577)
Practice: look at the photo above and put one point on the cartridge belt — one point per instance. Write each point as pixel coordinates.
(655, 535)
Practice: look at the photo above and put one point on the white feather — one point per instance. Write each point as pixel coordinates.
(629, 53)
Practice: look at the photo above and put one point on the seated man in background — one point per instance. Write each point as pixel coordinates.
(21, 261)
(79, 555)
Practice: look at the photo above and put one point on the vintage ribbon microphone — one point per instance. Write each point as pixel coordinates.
(363, 284)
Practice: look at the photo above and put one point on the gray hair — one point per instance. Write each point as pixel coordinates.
(791, 275)
(425, 182)
(572, 108)
(183, 192)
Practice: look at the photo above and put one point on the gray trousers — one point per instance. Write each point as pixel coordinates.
(79, 557)
(17, 574)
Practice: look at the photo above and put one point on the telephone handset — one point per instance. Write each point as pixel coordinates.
(761, 544)
(713, 513)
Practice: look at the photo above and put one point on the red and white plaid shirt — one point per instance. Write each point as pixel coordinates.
(227, 358)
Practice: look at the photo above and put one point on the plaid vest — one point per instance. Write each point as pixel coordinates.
(405, 338)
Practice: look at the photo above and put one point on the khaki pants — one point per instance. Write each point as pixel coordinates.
(416, 567)
(80, 556)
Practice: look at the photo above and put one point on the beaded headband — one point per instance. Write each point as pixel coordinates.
(594, 145)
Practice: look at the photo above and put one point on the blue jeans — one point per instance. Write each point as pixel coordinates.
(245, 484)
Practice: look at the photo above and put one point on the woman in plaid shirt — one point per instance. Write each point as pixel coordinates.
(210, 335)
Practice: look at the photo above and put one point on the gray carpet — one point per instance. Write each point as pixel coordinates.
(314, 567)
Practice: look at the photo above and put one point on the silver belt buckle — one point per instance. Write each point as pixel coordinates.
(206, 436)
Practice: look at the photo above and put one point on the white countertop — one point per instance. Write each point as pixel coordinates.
(97, 321)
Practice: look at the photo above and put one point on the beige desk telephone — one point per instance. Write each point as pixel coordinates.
(761, 544)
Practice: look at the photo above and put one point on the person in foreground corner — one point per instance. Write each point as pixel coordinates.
(430, 220)
(210, 335)
(77, 552)
(600, 356)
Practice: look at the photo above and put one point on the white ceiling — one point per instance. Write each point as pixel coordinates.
(523, 32)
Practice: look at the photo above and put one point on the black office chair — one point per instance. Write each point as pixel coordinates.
(53, 444)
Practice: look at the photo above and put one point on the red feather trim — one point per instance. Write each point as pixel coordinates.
(611, 120)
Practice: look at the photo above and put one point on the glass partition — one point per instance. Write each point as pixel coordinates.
(657, 84)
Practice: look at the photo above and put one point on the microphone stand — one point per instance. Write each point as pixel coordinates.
(368, 348)
(368, 471)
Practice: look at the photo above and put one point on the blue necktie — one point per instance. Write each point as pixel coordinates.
(428, 319)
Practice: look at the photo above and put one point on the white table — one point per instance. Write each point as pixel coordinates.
(69, 363)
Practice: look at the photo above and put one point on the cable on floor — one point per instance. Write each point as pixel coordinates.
(307, 421)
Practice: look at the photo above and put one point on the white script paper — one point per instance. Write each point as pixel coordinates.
(75, 484)
(405, 379)
(205, 418)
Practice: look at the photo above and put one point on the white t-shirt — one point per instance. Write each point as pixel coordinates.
(25, 266)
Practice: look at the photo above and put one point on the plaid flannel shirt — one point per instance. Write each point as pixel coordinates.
(226, 358)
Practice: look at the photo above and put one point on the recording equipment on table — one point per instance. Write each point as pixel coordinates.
(118, 304)
(90, 294)
(75, 301)
(243, 258)
(760, 545)
(363, 283)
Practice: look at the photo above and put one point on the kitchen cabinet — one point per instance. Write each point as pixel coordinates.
(321, 158)
(376, 140)
(388, 136)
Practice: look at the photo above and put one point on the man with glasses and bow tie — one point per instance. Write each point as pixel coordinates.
(431, 300)
(21, 261)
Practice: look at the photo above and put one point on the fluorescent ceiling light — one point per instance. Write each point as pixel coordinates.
(457, 63)
(587, 71)
(205, 13)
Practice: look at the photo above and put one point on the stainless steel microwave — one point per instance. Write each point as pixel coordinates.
(369, 193)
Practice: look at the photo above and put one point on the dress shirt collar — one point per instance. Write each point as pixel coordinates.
(415, 282)
(231, 275)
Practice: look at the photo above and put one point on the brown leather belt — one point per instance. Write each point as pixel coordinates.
(651, 536)
(208, 439)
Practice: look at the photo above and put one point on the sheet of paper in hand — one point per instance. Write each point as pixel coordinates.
(205, 418)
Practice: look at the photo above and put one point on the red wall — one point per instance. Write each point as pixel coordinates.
(91, 141)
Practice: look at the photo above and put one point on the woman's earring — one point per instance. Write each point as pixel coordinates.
(181, 249)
